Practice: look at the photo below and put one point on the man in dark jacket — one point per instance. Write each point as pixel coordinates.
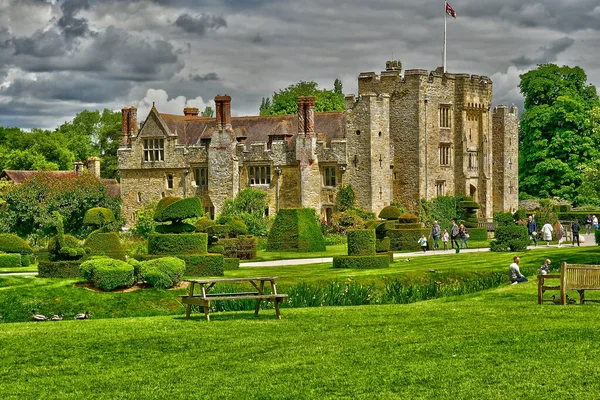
(575, 227)
(435, 234)
(532, 229)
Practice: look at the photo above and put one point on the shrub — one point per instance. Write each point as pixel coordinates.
(162, 206)
(408, 219)
(203, 224)
(375, 224)
(216, 248)
(144, 221)
(296, 229)
(230, 264)
(361, 262)
(249, 206)
(105, 244)
(162, 273)
(342, 221)
(345, 198)
(470, 213)
(25, 260)
(478, 234)
(99, 217)
(334, 238)
(190, 207)
(242, 247)
(218, 231)
(71, 249)
(107, 273)
(572, 216)
(59, 269)
(10, 243)
(193, 243)
(175, 228)
(10, 260)
(520, 214)
(236, 227)
(504, 218)
(361, 242)
(195, 264)
(382, 245)
(510, 238)
(406, 239)
(390, 213)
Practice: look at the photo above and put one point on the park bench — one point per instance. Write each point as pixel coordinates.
(578, 277)
(204, 297)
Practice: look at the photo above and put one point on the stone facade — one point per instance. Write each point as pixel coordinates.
(406, 136)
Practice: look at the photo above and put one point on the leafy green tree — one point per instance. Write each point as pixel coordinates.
(337, 87)
(284, 101)
(558, 134)
(208, 112)
(27, 160)
(345, 197)
(249, 205)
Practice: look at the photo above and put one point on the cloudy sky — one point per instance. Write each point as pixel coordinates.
(60, 57)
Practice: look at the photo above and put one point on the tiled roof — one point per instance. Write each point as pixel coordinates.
(190, 129)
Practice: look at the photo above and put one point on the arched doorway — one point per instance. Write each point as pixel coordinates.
(473, 192)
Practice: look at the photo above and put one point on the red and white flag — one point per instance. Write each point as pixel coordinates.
(450, 11)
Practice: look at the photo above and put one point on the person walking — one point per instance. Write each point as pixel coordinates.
(532, 229)
(435, 234)
(595, 222)
(575, 228)
(454, 234)
(560, 232)
(514, 273)
(464, 235)
(547, 233)
(588, 224)
(445, 237)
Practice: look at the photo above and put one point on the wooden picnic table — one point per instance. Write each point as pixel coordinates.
(203, 296)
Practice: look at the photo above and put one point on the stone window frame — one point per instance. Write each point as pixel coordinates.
(440, 188)
(472, 160)
(154, 150)
(200, 176)
(445, 153)
(330, 178)
(169, 181)
(139, 197)
(259, 175)
(445, 117)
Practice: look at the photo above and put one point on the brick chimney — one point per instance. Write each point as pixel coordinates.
(128, 125)
(301, 123)
(78, 167)
(191, 111)
(223, 110)
(306, 115)
(93, 166)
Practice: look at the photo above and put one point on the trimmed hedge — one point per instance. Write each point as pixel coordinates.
(107, 273)
(10, 261)
(190, 207)
(361, 242)
(406, 239)
(230, 264)
(510, 238)
(382, 245)
(59, 269)
(576, 215)
(162, 273)
(237, 227)
(162, 206)
(195, 265)
(98, 216)
(216, 248)
(220, 231)
(10, 243)
(390, 213)
(477, 234)
(175, 228)
(296, 229)
(562, 208)
(408, 219)
(170, 244)
(203, 224)
(361, 262)
(26, 260)
(242, 247)
(105, 244)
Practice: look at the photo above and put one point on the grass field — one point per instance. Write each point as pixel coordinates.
(495, 344)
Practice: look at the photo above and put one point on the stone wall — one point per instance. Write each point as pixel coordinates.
(505, 158)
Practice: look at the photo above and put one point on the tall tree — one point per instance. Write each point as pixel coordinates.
(337, 87)
(284, 101)
(557, 135)
(208, 112)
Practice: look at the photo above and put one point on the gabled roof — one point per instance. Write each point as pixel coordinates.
(17, 177)
(190, 129)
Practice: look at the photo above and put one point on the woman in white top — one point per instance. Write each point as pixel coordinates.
(547, 233)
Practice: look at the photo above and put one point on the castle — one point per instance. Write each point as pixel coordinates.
(406, 136)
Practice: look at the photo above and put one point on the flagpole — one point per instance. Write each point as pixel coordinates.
(445, 20)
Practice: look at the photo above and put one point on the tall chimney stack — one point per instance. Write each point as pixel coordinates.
(301, 117)
(223, 110)
(309, 115)
(191, 111)
(128, 125)
(93, 166)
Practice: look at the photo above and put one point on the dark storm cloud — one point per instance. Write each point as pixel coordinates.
(211, 76)
(71, 26)
(547, 53)
(200, 24)
(41, 44)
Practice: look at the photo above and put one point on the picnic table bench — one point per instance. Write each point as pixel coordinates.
(204, 297)
(578, 277)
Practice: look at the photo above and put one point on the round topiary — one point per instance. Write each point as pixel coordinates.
(408, 219)
(389, 213)
(98, 216)
(163, 204)
(107, 273)
(10, 243)
(236, 227)
(162, 273)
(203, 224)
(179, 210)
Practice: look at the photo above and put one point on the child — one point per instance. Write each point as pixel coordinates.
(545, 267)
(445, 237)
(423, 243)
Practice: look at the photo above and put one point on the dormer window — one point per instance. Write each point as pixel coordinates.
(154, 150)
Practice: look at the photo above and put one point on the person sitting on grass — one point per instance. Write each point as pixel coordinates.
(514, 273)
(423, 243)
(545, 267)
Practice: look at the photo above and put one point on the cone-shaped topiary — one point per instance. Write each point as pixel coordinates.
(296, 229)
(389, 213)
(98, 217)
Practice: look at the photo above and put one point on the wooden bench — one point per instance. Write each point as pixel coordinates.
(204, 298)
(578, 277)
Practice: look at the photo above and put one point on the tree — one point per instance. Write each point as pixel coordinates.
(249, 205)
(337, 87)
(208, 112)
(558, 135)
(284, 101)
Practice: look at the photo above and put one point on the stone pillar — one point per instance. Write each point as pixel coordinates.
(93, 166)
(78, 167)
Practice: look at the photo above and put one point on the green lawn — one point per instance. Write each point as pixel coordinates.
(496, 344)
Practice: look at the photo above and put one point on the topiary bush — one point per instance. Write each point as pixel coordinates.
(169, 209)
(105, 244)
(510, 238)
(10, 243)
(170, 244)
(10, 260)
(390, 213)
(216, 248)
(296, 229)
(478, 234)
(382, 245)
(361, 242)
(504, 218)
(217, 232)
(162, 273)
(195, 264)
(107, 273)
(26, 260)
(408, 219)
(175, 228)
(59, 269)
(99, 217)
(361, 262)
(71, 249)
(230, 264)
(242, 247)
(236, 227)
(470, 213)
(203, 224)
(520, 214)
